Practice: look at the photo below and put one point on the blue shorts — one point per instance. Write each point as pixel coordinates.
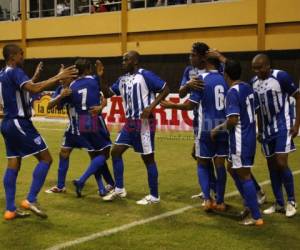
(138, 134)
(21, 138)
(90, 141)
(206, 148)
(241, 161)
(282, 142)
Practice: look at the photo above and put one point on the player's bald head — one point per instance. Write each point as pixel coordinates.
(261, 59)
(130, 61)
(261, 66)
(10, 50)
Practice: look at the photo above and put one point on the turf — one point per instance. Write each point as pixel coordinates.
(71, 217)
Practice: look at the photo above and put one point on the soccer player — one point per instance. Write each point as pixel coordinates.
(72, 140)
(20, 136)
(87, 128)
(240, 122)
(277, 128)
(138, 87)
(210, 112)
(190, 82)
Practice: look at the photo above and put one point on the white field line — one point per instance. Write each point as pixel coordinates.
(139, 222)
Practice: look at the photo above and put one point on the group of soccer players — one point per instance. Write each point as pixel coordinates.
(225, 111)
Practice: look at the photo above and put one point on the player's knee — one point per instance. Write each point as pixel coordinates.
(115, 153)
(48, 159)
(64, 154)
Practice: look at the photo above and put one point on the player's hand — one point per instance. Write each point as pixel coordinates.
(146, 113)
(294, 130)
(38, 70)
(216, 53)
(99, 68)
(66, 92)
(95, 110)
(69, 72)
(259, 137)
(166, 104)
(193, 154)
(195, 84)
(213, 134)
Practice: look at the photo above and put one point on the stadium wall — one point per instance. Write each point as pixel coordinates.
(230, 26)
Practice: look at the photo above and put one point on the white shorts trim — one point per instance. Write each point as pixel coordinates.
(25, 156)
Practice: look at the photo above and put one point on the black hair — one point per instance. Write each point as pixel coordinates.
(83, 64)
(233, 69)
(213, 60)
(9, 50)
(200, 48)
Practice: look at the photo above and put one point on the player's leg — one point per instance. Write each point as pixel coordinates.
(152, 174)
(275, 177)
(118, 167)
(38, 178)
(288, 182)
(219, 163)
(245, 212)
(98, 175)
(249, 191)
(261, 196)
(212, 178)
(105, 171)
(96, 164)
(63, 166)
(9, 181)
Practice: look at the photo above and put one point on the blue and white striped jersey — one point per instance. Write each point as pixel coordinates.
(211, 100)
(138, 91)
(16, 100)
(273, 95)
(240, 100)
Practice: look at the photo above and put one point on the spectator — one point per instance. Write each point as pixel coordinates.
(101, 6)
(63, 8)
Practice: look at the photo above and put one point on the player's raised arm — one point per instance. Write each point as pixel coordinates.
(181, 106)
(37, 72)
(69, 72)
(57, 100)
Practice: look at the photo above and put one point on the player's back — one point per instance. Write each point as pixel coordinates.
(213, 100)
(85, 94)
(244, 134)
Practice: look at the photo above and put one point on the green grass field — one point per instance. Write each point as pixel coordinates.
(71, 218)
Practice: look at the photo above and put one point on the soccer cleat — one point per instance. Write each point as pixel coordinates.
(275, 208)
(115, 193)
(201, 196)
(56, 190)
(34, 207)
(78, 188)
(109, 188)
(243, 214)
(261, 197)
(148, 199)
(8, 215)
(209, 205)
(252, 222)
(220, 207)
(291, 209)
